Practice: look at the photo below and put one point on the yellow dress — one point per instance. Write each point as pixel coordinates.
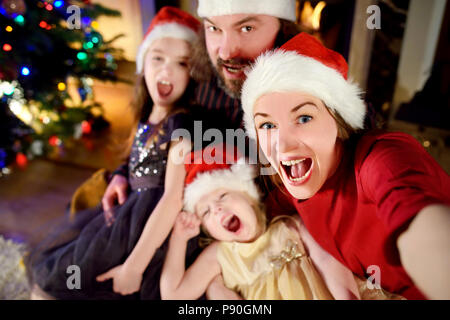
(277, 267)
(273, 267)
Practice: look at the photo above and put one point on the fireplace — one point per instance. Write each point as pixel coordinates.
(330, 21)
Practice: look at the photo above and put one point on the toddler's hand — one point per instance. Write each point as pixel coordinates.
(187, 225)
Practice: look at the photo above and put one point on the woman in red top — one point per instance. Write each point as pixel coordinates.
(376, 201)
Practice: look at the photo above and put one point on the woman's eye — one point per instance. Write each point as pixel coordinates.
(183, 64)
(267, 126)
(304, 119)
(223, 195)
(157, 58)
(246, 29)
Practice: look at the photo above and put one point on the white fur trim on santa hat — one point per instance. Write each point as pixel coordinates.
(167, 30)
(239, 177)
(287, 71)
(284, 9)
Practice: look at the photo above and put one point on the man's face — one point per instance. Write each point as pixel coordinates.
(233, 43)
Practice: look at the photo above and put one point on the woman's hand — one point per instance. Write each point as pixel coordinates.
(187, 226)
(125, 281)
(116, 190)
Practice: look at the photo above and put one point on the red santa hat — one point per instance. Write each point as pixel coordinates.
(169, 22)
(216, 167)
(284, 9)
(303, 64)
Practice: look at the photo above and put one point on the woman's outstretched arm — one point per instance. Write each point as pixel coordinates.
(424, 250)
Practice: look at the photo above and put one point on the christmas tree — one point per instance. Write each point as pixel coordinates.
(47, 47)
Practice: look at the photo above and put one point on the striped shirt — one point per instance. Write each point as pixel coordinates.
(220, 105)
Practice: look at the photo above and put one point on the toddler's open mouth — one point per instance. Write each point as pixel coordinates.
(232, 223)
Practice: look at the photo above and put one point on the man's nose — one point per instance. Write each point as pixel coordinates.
(229, 46)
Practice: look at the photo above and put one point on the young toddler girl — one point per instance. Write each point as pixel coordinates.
(278, 261)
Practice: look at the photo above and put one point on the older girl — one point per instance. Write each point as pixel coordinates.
(132, 238)
(376, 201)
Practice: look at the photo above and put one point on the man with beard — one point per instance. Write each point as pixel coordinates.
(234, 33)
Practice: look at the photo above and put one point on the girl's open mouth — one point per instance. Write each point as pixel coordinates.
(232, 223)
(298, 170)
(164, 88)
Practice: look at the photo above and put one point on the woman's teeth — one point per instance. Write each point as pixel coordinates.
(292, 162)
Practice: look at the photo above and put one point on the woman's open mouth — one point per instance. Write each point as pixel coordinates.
(297, 171)
(231, 223)
(164, 88)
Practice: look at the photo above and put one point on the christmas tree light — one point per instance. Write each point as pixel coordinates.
(25, 71)
(35, 103)
(7, 47)
(58, 4)
(20, 20)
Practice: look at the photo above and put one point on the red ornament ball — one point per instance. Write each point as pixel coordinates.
(21, 160)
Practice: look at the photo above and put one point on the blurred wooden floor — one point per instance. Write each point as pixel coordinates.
(34, 198)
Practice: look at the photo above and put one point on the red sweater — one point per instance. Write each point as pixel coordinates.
(360, 211)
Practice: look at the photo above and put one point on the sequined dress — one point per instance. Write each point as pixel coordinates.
(94, 247)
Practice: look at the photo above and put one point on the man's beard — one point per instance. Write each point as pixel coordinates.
(231, 87)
